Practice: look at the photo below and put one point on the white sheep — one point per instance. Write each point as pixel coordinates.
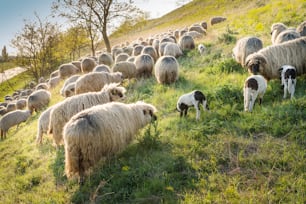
(254, 86)
(66, 70)
(67, 83)
(11, 119)
(166, 70)
(194, 98)
(43, 124)
(100, 132)
(201, 49)
(63, 111)
(288, 79)
(38, 100)
(95, 81)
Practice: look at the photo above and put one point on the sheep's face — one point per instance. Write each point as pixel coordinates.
(149, 114)
(117, 94)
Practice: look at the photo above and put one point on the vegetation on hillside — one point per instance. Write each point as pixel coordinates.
(229, 156)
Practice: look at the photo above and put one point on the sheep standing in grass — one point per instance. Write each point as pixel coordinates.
(268, 60)
(194, 98)
(95, 81)
(288, 79)
(276, 29)
(186, 43)
(166, 70)
(102, 68)
(38, 100)
(128, 69)
(217, 19)
(244, 47)
(254, 86)
(67, 83)
(53, 82)
(100, 132)
(88, 64)
(67, 70)
(21, 103)
(150, 50)
(201, 49)
(43, 124)
(286, 35)
(144, 66)
(63, 111)
(105, 58)
(11, 119)
(172, 49)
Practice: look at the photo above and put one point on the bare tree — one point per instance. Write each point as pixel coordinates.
(104, 13)
(35, 44)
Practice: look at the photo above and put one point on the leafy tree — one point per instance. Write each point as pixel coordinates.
(102, 14)
(5, 55)
(36, 44)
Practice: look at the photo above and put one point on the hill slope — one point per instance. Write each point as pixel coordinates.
(228, 156)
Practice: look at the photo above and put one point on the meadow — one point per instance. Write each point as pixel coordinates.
(228, 156)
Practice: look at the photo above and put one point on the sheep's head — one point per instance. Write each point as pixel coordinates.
(116, 92)
(148, 111)
(255, 63)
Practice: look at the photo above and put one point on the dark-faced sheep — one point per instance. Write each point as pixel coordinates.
(144, 64)
(11, 119)
(194, 98)
(95, 81)
(100, 132)
(254, 86)
(38, 100)
(288, 79)
(63, 111)
(166, 70)
(244, 47)
(267, 61)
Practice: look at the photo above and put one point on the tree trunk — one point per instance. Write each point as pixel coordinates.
(106, 41)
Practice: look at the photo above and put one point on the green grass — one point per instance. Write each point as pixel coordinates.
(228, 156)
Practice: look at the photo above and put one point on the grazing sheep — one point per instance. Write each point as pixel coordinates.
(68, 81)
(276, 29)
(131, 59)
(42, 86)
(254, 86)
(155, 44)
(286, 35)
(128, 50)
(201, 49)
(2, 110)
(38, 100)
(137, 50)
(161, 48)
(198, 29)
(67, 70)
(21, 103)
(78, 65)
(95, 81)
(204, 25)
(88, 64)
(102, 68)
(11, 119)
(267, 61)
(53, 82)
(128, 69)
(301, 29)
(288, 79)
(150, 50)
(244, 47)
(194, 98)
(69, 90)
(116, 50)
(217, 19)
(186, 43)
(106, 59)
(144, 64)
(166, 70)
(173, 49)
(43, 124)
(167, 39)
(54, 74)
(64, 110)
(102, 131)
(194, 34)
(122, 57)
(11, 106)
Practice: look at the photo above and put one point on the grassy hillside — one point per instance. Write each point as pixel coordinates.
(229, 156)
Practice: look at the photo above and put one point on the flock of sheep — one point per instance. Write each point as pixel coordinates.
(92, 121)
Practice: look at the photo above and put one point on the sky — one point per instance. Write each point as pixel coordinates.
(14, 12)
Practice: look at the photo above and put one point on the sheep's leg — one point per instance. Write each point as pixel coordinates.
(252, 102)
(1, 134)
(197, 107)
(185, 112)
(285, 91)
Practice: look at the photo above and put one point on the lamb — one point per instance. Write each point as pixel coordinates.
(128, 69)
(11, 119)
(166, 70)
(93, 134)
(254, 86)
(172, 49)
(186, 43)
(201, 49)
(43, 124)
(244, 47)
(288, 79)
(64, 110)
(276, 29)
(67, 70)
(38, 100)
(268, 60)
(217, 19)
(88, 64)
(286, 35)
(144, 66)
(95, 81)
(194, 98)
(105, 58)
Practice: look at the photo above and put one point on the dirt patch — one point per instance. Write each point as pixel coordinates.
(7, 74)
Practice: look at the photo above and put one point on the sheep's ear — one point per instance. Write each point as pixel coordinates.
(280, 69)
